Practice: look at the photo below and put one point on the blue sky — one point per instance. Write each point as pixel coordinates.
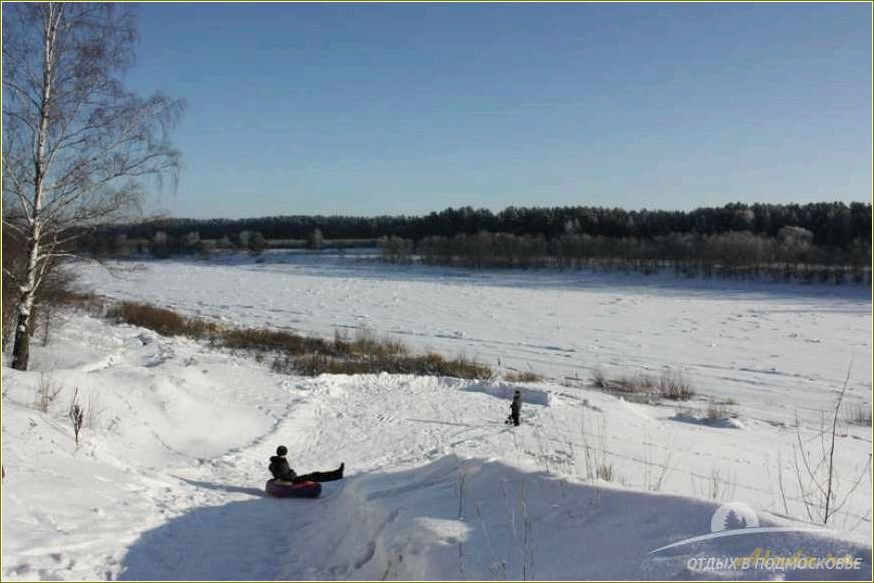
(403, 109)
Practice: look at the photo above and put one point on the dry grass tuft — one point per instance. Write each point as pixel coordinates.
(859, 415)
(161, 320)
(523, 377)
(295, 353)
(670, 384)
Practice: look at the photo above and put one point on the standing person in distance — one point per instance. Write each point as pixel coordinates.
(515, 409)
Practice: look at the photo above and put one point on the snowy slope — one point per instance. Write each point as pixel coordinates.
(778, 353)
(167, 481)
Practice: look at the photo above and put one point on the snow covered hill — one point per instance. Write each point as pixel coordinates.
(167, 481)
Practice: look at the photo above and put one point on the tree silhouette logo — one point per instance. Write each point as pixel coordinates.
(733, 516)
(733, 519)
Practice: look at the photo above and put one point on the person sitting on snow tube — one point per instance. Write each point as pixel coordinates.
(282, 471)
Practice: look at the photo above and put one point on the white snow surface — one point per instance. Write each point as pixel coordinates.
(167, 482)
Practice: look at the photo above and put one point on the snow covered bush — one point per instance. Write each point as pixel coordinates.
(859, 415)
(670, 384)
(76, 415)
(526, 376)
(674, 385)
(716, 412)
(367, 343)
(260, 339)
(47, 390)
(161, 320)
(605, 472)
(599, 378)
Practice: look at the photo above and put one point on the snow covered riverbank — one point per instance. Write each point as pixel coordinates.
(167, 483)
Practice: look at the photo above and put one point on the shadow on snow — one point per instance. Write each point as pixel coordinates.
(459, 519)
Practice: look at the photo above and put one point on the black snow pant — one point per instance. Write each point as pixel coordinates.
(320, 476)
(513, 418)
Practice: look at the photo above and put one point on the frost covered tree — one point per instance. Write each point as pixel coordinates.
(243, 239)
(257, 243)
(76, 142)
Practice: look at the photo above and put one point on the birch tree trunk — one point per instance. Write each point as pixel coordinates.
(21, 349)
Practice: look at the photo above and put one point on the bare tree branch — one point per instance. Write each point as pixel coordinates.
(75, 141)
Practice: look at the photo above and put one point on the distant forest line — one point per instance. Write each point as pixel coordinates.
(833, 224)
(810, 242)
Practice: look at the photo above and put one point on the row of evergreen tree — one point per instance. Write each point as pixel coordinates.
(832, 224)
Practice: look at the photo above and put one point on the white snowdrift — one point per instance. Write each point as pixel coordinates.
(464, 519)
(505, 391)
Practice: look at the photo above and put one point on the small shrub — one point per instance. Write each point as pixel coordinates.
(47, 390)
(282, 364)
(675, 386)
(640, 383)
(89, 303)
(314, 364)
(716, 487)
(92, 411)
(341, 340)
(460, 367)
(605, 472)
(271, 340)
(639, 387)
(523, 377)
(670, 384)
(716, 412)
(366, 343)
(163, 321)
(859, 415)
(599, 378)
(76, 415)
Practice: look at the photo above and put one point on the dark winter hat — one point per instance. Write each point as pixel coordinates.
(281, 450)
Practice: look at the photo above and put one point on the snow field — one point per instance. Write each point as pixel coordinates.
(167, 483)
(773, 357)
(779, 351)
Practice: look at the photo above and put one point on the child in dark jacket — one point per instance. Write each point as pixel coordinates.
(515, 409)
(282, 471)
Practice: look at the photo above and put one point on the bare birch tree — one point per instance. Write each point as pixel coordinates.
(76, 142)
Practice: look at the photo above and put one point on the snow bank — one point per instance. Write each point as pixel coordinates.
(505, 391)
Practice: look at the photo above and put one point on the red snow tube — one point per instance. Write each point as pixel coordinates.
(293, 489)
